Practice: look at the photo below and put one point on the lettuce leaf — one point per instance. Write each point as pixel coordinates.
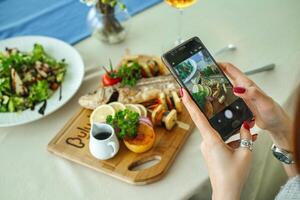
(39, 91)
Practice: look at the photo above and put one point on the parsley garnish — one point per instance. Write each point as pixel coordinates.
(129, 73)
(124, 122)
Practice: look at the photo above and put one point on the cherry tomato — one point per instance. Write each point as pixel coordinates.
(107, 80)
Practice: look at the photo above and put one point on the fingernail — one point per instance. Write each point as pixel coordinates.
(255, 136)
(246, 126)
(251, 123)
(239, 90)
(181, 92)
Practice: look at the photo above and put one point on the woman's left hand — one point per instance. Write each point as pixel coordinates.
(228, 166)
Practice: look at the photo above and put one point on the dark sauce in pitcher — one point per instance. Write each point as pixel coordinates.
(102, 135)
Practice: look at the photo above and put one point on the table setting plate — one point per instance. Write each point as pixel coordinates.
(72, 81)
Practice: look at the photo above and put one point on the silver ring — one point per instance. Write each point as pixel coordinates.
(245, 143)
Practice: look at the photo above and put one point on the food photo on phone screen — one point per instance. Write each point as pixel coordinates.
(206, 83)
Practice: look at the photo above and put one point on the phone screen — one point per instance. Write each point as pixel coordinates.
(207, 84)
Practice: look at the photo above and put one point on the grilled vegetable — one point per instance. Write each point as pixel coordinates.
(161, 116)
(169, 119)
(157, 115)
(154, 67)
(177, 101)
(162, 100)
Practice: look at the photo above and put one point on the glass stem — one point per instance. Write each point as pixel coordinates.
(180, 18)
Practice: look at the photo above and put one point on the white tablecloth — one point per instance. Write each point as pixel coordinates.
(264, 32)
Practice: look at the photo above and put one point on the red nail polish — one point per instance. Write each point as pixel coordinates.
(181, 92)
(246, 126)
(251, 123)
(239, 90)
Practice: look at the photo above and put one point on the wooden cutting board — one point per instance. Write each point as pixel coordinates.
(72, 143)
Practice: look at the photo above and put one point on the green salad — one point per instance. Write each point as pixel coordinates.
(28, 78)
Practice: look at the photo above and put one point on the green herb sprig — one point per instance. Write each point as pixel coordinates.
(124, 122)
(129, 73)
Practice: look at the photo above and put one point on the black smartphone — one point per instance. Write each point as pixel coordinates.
(196, 70)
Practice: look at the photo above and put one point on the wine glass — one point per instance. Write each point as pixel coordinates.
(180, 5)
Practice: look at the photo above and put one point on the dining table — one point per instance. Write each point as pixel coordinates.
(263, 32)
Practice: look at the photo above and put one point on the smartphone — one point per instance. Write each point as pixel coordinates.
(196, 70)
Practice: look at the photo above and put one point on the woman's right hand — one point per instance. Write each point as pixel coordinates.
(267, 113)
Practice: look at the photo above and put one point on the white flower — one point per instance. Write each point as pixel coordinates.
(89, 2)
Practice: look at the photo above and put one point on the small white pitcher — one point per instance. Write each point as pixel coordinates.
(103, 146)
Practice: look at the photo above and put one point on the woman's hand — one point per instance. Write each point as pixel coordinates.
(228, 166)
(268, 114)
